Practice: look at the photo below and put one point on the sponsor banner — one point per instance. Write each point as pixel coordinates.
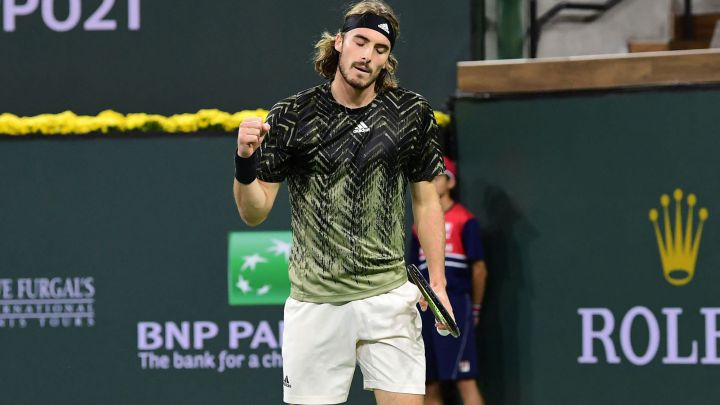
(258, 267)
(47, 302)
(204, 345)
(99, 15)
(678, 228)
(257, 275)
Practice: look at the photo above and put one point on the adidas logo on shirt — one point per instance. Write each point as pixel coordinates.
(361, 128)
(384, 27)
(286, 382)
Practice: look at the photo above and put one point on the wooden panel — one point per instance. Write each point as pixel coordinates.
(680, 44)
(589, 72)
(647, 46)
(703, 25)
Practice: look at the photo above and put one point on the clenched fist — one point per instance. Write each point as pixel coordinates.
(250, 135)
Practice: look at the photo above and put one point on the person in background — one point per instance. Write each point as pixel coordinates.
(447, 358)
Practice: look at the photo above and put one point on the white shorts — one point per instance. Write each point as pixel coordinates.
(322, 343)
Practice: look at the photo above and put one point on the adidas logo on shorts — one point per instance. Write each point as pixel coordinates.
(361, 128)
(286, 382)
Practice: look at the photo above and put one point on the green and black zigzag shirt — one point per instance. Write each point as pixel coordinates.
(347, 171)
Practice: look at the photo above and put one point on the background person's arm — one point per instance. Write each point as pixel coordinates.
(472, 243)
(479, 277)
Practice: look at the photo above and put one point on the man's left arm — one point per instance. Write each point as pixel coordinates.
(430, 223)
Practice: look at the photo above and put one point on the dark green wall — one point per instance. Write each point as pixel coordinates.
(224, 54)
(148, 218)
(563, 186)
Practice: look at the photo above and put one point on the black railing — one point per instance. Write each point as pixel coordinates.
(537, 23)
(688, 21)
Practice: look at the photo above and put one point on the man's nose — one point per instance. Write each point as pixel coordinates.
(366, 54)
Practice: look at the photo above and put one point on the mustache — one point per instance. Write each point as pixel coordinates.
(362, 65)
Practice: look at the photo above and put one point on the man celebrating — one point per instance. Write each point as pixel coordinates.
(455, 359)
(348, 149)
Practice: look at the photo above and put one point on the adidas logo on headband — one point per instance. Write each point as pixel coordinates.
(384, 27)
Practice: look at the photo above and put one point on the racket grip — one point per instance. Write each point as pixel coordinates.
(442, 332)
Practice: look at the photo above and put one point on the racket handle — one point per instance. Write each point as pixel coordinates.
(442, 332)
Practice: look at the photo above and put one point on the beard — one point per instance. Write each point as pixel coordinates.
(358, 84)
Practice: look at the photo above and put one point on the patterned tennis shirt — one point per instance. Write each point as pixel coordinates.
(347, 171)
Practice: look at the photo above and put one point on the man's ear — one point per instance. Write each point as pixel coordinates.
(338, 42)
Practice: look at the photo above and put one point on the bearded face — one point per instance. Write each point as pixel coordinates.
(363, 55)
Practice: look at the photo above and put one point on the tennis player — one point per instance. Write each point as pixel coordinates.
(455, 359)
(348, 149)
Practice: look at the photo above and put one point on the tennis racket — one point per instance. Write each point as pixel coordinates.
(437, 308)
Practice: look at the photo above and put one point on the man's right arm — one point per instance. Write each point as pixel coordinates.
(255, 200)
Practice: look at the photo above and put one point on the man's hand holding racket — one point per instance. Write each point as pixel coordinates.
(444, 300)
(435, 297)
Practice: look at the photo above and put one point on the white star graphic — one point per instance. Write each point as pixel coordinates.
(250, 262)
(263, 290)
(243, 285)
(280, 248)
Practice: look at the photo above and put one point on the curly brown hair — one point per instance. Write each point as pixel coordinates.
(327, 58)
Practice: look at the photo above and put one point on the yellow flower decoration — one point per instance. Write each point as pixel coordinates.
(442, 118)
(68, 123)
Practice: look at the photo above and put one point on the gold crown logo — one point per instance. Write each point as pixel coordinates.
(678, 251)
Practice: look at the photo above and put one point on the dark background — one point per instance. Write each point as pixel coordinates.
(562, 185)
(225, 54)
(564, 208)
